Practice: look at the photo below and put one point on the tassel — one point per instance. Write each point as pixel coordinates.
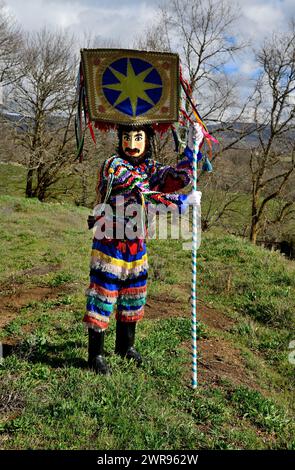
(91, 131)
(79, 131)
(207, 166)
(79, 153)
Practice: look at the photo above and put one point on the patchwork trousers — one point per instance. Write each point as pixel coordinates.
(118, 278)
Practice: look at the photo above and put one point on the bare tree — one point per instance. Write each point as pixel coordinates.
(204, 35)
(10, 46)
(44, 96)
(272, 163)
(154, 37)
(219, 210)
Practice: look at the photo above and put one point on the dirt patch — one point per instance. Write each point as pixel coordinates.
(40, 270)
(218, 359)
(164, 307)
(214, 318)
(160, 307)
(11, 283)
(17, 296)
(10, 305)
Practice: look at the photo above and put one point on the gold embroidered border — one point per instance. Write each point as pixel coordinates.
(95, 62)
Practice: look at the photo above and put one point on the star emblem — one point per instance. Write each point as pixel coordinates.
(132, 86)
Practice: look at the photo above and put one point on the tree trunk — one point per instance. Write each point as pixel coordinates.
(40, 190)
(41, 194)
(254, 220)
(29, 186)
(254, 232)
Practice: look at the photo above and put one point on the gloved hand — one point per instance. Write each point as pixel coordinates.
(194, 198)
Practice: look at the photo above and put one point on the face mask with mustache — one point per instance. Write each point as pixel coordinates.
(134, 146)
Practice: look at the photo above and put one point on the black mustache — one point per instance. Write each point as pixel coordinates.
(127, 149)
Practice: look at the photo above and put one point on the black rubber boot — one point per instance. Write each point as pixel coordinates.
(125, 336)
(96, 359)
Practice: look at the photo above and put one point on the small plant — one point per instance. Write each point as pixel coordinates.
(266, 310)
(263, 412)
(61, 278)
(33, 346)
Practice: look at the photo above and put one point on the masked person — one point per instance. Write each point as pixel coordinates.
(119, 267)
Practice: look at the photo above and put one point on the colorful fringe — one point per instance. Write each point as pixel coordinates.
(116, 277)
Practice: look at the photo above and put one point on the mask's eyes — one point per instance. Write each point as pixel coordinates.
(138, 137)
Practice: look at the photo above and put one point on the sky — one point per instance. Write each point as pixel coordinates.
(111, 20)
(117, 23)
(123, 20)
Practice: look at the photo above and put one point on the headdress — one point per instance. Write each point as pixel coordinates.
(133, 88)
(129, 87)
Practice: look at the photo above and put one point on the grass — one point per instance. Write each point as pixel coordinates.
(67, 189)
(13, 179)
(49, 398)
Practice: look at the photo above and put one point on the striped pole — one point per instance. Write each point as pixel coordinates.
(194, 276)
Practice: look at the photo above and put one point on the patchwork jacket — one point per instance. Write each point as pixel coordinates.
(149, 185)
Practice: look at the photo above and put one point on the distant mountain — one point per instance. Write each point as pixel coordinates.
(233, 130)
(11, 115)
(250, 140)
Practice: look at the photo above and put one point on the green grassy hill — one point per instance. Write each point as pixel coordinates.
(50, 400)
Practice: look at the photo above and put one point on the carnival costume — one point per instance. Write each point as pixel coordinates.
(119, 265)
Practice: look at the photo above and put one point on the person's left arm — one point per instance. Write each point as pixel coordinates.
(167, 178)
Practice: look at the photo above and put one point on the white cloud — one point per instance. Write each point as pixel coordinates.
(264, 17)
(121, 25)
(122, 21)
(291, 99)
(34, 14)
(260, 17)
(103, 19)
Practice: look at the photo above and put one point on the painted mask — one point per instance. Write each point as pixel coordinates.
(134, 143)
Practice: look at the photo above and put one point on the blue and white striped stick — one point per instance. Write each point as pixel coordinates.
(194, 274)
